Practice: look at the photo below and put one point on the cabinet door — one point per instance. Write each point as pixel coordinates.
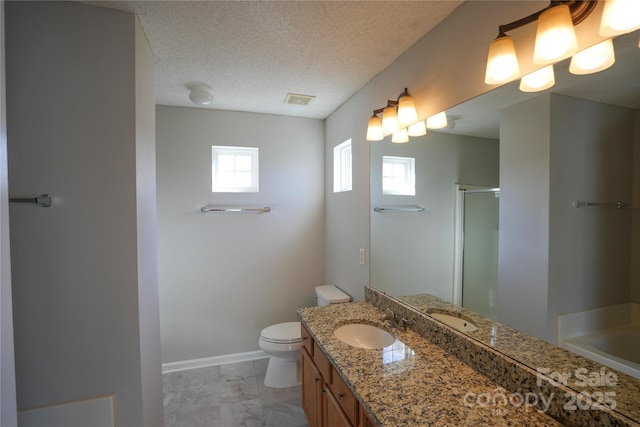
(311, 390)
(334, 416)
(364, 419)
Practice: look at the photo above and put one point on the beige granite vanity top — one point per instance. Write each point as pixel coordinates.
(534, 352)
(413, 382)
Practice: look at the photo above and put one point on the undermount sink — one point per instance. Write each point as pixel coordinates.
(454, 321)
(363, 335)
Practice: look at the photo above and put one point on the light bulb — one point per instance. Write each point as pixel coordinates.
(538, 80)
(502, 62)
(591, 60)
(555, 36)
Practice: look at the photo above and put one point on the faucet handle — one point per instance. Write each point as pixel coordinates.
(402, 323)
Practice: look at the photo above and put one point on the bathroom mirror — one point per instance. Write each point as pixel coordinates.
(416, 239)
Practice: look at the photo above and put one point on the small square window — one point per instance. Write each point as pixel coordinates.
(342, 167)
(398, 175)
(234, 169)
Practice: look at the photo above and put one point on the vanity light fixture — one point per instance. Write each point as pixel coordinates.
(591, 60)
(396, 117)
(555, 36)
(620, 17)
(374, 129)
(556, 40)
(437, 121)
(417, 129)
(541, 79)
(400, 136)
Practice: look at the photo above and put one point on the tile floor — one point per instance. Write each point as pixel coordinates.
(230, 395)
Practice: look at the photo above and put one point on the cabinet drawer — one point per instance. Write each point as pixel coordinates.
(307, 341)
(322, 362)
(345, 397)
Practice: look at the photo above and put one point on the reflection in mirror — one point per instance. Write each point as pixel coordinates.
(555, 260)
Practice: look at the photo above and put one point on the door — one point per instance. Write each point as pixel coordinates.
(480, 250)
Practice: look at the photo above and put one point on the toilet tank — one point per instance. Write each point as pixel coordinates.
(330, 294)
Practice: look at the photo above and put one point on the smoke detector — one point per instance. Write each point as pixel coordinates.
(297, 99)
(201, 95)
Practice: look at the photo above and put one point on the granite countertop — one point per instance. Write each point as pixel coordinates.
(414, 382)
(535, 352)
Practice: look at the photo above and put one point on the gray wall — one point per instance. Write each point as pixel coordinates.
(225, 277)
(555, 258)
(635, 213)
(413, 253)
(439, 74)
(523, 250)
(83, 270)
(8, 416)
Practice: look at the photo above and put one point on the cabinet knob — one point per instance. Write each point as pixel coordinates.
(340, 395)
(317, 379)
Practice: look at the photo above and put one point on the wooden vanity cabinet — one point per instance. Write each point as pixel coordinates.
(327, 401)
(312, 384)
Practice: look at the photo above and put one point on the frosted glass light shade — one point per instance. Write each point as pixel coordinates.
(620, 17)
(591, 60)
(555, 36)
(502, 62)
(541, 79)
(406, 110)
(437, 121)
(374, 130)
(417, 129)
(389, 120)
(400, 136)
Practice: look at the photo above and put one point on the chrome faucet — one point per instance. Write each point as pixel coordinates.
(389, 315)
(399, 324)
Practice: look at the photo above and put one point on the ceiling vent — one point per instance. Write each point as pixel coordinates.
(295, 99)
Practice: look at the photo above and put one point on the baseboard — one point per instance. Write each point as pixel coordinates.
(96, 412)
(224, 359)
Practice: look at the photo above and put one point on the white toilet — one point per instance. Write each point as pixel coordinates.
(283, 341)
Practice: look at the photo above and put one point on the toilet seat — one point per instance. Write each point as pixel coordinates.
(282, 333)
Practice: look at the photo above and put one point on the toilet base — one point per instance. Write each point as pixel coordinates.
(282, 373)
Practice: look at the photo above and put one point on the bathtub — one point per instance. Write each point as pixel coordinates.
(608, 335)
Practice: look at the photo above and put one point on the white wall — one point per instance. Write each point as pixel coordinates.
(73, 101)
(225, 277)
(8, 416)
(413, 253)
(556, 150)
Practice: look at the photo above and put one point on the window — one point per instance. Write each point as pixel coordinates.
(342, 167)
(234, 169)
(398, 175)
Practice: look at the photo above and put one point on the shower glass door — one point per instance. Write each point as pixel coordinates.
(480, 251)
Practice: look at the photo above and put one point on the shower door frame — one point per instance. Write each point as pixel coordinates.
(458, 234)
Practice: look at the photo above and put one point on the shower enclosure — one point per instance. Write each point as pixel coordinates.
(476, 249)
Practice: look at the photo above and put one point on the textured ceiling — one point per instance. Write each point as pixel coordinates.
(252, 53)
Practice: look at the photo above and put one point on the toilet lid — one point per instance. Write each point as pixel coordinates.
(288, 332)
